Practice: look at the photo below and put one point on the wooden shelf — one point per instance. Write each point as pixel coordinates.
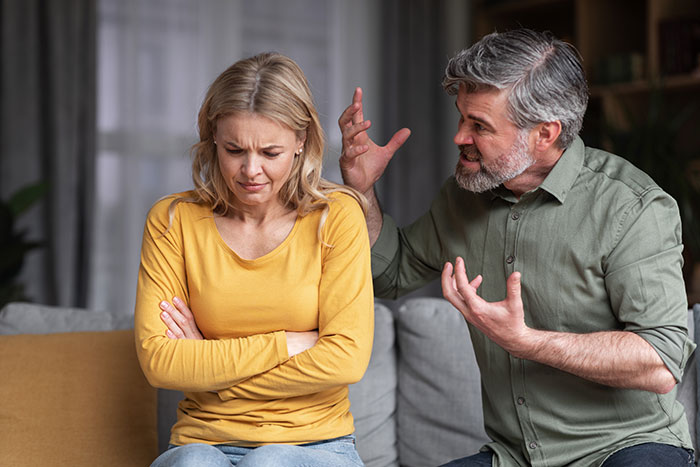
(644, 86)
(510, 7)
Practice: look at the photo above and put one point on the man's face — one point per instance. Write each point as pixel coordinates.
(492, 149)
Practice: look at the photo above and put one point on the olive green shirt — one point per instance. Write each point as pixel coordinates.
(598, 245)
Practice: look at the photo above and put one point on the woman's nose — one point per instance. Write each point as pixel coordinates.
(251, 165)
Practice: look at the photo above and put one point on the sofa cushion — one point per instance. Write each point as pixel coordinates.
(439, 399)
(75, 399)
(31, 318)
(373, 399)
(695, 376)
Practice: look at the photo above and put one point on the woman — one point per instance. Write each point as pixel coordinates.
(254, 293)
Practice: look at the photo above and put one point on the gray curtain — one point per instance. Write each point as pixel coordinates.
(419, 38)
(47, 133)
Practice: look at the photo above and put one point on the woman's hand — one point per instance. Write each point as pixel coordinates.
(179, 319)
(297, 342)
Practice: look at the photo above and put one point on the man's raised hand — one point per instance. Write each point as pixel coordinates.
(362, 162)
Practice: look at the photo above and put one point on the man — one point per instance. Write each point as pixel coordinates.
(579, 322)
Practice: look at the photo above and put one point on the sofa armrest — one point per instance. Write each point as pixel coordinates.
(76, 399)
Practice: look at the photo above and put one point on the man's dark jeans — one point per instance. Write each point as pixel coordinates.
(642, 455)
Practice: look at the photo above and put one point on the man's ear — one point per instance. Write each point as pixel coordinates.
(546, 134)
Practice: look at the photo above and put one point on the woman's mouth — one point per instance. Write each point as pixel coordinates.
(252, 187)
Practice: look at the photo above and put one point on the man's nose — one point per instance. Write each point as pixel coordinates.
(463, 136)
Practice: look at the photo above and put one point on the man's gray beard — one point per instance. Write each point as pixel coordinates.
(507, 168)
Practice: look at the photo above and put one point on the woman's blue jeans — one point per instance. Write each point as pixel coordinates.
(338, 452)
(641, 455)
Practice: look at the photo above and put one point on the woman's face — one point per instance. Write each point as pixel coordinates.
(255, 157)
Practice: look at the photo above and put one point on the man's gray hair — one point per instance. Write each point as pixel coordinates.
(544, 77)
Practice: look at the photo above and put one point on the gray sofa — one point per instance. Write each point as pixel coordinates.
(419, 403)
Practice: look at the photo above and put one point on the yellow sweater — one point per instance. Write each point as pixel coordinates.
(241, 387)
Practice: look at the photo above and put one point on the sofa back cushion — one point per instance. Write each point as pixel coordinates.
(439, 398)
(34, 318)
(373, 399)
(75, 399)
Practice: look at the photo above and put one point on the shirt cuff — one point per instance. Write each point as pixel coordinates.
(673, 346)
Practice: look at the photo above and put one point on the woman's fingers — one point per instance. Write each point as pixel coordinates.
(173, 331)
(179, 319)
(184, 310)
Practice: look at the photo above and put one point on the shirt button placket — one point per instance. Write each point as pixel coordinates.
(515, 216)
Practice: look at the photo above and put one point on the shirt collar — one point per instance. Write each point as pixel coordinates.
(560, 179)
(565, 172)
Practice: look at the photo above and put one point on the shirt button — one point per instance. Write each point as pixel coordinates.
(515, 216)
(510, 259)
(532, 445)
(521, 400)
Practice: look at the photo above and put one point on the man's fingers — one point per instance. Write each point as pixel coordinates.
(446, 277)
(346, 118)
(347, 158)
(358, 116)
(397, 140)
(353, 131)
(461, 275)
(448, 286)
(513, 287)
(476, 282)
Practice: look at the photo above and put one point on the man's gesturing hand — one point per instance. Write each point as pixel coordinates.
(362, 172)
(503, 322)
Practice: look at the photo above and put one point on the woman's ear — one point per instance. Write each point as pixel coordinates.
(301, 140)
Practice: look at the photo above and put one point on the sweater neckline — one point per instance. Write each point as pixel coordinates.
(260, 259)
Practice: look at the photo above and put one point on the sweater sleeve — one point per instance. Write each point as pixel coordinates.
(184, 364)
(346, 317)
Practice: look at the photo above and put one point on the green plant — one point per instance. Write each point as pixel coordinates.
(13, 243)
(650, 143)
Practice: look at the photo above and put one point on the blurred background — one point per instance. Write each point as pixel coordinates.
(99, 101)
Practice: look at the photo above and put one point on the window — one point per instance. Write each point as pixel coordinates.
(155, 61)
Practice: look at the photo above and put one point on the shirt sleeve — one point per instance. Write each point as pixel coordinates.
(644, 278)
(346, 317)
(404, 259)
(185, 364)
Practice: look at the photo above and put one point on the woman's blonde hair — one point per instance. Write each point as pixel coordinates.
(273, 86)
